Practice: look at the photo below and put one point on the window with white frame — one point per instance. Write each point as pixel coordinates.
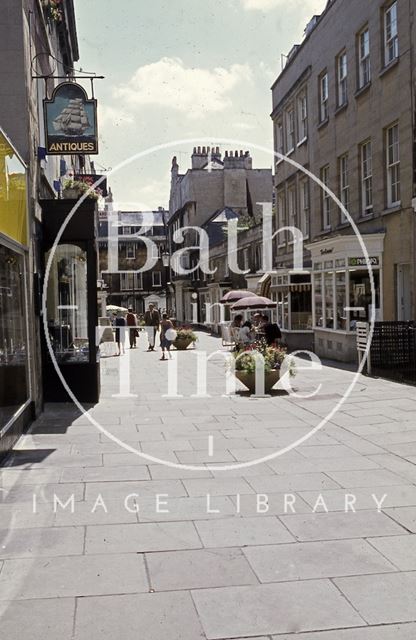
(281, 217)
(131, 281)
(280, 143)
(131, 250)
(290, 127)
(302, 118)
(325, 199)
(323, 96)
(391, 37)
(156, 279)
(155, 250)
(342, 72)
(364, 67)
(344, 184)
(304, 208)
(393, 165)
(366, 177)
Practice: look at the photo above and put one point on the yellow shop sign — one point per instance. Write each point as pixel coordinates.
(13, 193)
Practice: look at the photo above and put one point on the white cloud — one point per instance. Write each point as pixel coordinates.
(195, 91)
(268, 5)
(108, 115)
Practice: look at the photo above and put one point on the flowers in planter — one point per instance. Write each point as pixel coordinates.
(79, 187)
(185, 333)
(245, 359)
(53, 10)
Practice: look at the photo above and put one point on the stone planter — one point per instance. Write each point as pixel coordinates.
(181, 344)
(249, 380)
(71, 194)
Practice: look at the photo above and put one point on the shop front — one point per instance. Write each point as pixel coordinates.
(342, 292)
(15, 387)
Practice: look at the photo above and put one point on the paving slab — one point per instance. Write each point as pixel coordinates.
(280, 563)
(199, 569)
(231, 532)
(151, 616)
(37, 619)
(336, 526)
(400, 550)
(61, 577)
(406, 516)
(138, 538)
(41, 542)
(389, 632)
(385, 601)
(279, 608)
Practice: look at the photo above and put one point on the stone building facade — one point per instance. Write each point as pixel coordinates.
(343, 109)
(37, 38)
(216, 188)
(127, 286)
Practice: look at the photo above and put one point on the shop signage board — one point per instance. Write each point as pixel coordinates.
(362, 262)
(13, 193)
(70, 121)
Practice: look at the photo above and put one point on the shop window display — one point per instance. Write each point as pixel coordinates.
(14, 385)
(67, 312)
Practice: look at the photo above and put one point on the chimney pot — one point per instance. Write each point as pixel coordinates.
(199, 149)
(218, 150)
(194, 149)
(226, 154)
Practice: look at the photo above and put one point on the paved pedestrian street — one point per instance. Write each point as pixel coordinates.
(99, 542)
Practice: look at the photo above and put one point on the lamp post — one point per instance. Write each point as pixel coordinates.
(166, 264)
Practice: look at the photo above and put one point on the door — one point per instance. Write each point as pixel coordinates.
(403, 292)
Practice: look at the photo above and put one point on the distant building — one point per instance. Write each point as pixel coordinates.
(343, 107)
(127, 286)
(214, 189)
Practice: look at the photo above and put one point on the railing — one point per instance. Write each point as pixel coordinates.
(393, 350)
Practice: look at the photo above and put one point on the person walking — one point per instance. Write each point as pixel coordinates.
(152, 322)
(166, 326)
(131, 320)
(120, 325)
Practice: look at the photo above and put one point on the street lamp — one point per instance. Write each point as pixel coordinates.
(165, 255)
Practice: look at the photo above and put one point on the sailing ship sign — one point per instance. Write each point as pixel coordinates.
(70, 121)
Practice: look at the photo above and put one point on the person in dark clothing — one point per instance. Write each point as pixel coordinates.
(152, 322)
(131, 322)
(120, 324)
(271, 331)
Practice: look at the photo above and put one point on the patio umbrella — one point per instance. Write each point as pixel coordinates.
(234, 296)
(114, 307)
(253, 302)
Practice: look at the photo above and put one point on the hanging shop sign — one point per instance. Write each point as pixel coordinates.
(70, 121)
(13, 193)
(362, 262)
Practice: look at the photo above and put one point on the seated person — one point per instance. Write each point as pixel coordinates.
(246, 334)
(271, 331)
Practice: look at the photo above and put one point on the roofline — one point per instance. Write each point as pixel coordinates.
(329, 5)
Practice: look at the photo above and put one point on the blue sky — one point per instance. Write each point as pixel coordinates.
(182, 69)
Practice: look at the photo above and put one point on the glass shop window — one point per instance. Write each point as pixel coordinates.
(360, 295)
(14, 386)
(341, 300)
(329, 300)
(319, 320)
(67, 304)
